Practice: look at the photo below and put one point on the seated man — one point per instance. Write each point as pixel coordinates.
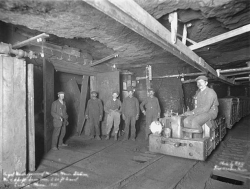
(207, 106)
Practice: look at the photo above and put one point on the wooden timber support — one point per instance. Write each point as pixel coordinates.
(104, 59)
(28, 41)
(137, 19)
(221, 37)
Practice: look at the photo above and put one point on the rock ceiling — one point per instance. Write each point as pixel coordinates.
(79, 25)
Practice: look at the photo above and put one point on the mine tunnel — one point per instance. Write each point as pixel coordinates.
(125, 94)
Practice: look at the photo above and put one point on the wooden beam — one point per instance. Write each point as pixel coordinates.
(83, 102)
(137, 19)
(103, 59)
(63, 66)
(241, 78)
(221, 37)
(189, 40)
(28, 41)
(1, 117)
(31, 121)
(184, 35)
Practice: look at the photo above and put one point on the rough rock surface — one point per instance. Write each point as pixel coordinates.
(102, 35)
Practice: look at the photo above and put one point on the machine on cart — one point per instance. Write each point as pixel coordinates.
(171, 138)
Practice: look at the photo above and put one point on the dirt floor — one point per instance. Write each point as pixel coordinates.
(89, 163)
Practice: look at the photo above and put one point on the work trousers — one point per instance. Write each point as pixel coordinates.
(150, 117)
(196, 121)
(130, 125)
(58, 133)
(113, 117)
(94, 125)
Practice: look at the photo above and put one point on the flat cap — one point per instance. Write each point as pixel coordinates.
(115, 92)
(201, 77)
(61, 92)
(92, 92)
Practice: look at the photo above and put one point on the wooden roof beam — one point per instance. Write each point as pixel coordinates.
(130, 14)
(221, 37)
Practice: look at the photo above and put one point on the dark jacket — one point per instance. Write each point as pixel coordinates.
(207, 102)
(94, 108)
(59, 110)
(130, 107)
(112, 105)
(152, 105)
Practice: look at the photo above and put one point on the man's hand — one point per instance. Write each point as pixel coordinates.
(61, 119)
(188, 113)
(144, 112)
(137, 117)
(123, 116)
(86, 116)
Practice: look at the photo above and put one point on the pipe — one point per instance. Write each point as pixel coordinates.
(170, 76)
(7, 49)
(199, 73)
(241, 78)
(237, 73)
(23, 43)
(234, 70)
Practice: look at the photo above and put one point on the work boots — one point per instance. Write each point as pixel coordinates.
(98, 137)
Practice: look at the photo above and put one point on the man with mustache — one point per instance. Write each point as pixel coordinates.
(60, 121)
(207, 106)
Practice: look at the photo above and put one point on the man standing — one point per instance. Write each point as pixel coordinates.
(130, 113)
(60, 121)
(113, 109)
(207, 106)
(152, 110)
(94, 112)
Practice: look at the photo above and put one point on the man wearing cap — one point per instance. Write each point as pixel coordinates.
(94, 112)
(113, 109)
(130, 113)
(60, 121)
(207, 106)
(152, 111)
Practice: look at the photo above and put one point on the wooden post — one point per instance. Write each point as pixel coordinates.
(1, 118)
(31, 122)
(48, 97)
(83, 98)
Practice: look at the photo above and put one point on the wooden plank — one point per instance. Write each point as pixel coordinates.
(221, 37)
(7, 112)
(72, 98)
(83, 99)
(1, 118)
(93, 83)
(137, 19)
(31, 121)
(20, 122)
(48, 95)
(14, 115)
(189, 40)
(184, 35)
(106, 84)
(104, 59)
